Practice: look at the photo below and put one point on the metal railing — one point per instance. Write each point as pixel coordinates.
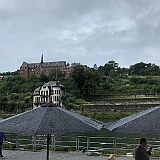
(80, 143)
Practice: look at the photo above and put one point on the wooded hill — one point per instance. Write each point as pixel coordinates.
(16, 91)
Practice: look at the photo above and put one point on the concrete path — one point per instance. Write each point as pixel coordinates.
(29, 155)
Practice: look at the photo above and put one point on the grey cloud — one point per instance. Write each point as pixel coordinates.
(86, 31)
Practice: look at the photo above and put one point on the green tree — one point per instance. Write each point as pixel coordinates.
(54, 74)
(86, 80)
(78, 75)
(105, 70)
(43, 77)
(144, 69)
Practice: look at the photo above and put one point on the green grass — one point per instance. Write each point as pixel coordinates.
(6, 115)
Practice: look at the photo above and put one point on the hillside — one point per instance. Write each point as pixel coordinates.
(83, 83)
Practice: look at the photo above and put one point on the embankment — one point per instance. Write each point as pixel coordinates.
(121, 105)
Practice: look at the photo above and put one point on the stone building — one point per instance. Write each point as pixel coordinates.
(27, 69)
(50, 92)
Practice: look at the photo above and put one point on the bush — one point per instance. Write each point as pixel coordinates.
(10, 146)
(30, 147)
(107, 151)
(110, 116)
(121, 152)
(155, 154)
(61, 148)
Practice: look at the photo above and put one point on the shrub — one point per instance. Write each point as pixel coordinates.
(61, 148)
(155, 154)
(121, 152)
(30, 147)
(107, 151)
(10, 146)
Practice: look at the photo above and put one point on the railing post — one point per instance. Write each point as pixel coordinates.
(34, 143)
(115, 145)
(17, 142)
(87, 143)
(77, 143)
(54, 142)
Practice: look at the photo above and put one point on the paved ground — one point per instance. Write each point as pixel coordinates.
(29, 155)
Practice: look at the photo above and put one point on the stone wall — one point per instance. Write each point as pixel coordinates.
(120, 106)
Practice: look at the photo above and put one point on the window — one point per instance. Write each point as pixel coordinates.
(50, 99)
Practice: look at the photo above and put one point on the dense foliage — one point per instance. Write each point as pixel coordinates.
(16, 92)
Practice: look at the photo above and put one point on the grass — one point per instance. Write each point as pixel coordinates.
(6, 115)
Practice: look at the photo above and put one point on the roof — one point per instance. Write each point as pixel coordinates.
(47, 64)
(49, 119)
(58, 63)
(50, 84)
(54, 84)
(145, 122)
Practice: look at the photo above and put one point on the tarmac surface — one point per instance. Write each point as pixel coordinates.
(41, 155)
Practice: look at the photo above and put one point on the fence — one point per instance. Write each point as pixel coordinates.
(80, 143)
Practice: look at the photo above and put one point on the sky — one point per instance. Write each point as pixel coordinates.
(83, 31)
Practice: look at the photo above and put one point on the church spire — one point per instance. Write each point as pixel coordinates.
(42, 57)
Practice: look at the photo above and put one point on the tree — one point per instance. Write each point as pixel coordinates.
(106, 87)
(113, 73)
(78, 75)
(105, 70)
(86, 79)
(3, 102)
(43, 77)
(54, 74)
(144, 69)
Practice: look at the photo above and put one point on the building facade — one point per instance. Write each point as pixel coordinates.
(50, 92)
(27, 69)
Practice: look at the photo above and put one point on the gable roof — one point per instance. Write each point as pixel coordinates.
(46, 64)
(50, 85)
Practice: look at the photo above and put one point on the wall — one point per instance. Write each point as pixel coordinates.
(121, 106)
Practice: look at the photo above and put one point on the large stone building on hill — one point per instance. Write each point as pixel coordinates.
(27, 69)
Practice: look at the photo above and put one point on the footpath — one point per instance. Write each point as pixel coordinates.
(41, 155)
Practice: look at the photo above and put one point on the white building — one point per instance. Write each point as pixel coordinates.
(50, 92)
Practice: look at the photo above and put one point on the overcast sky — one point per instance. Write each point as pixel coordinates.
(86, 31)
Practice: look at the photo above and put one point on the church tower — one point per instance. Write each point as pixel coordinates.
(42, 59)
